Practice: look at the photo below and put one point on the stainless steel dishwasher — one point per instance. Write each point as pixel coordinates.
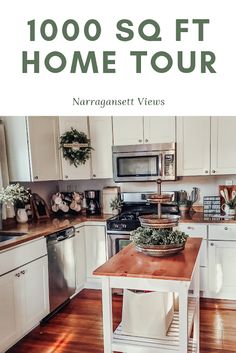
(61, 267)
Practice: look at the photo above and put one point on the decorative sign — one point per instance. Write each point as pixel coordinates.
(211, 204)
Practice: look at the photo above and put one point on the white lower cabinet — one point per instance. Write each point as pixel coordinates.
(80, 260)
(199, 231)
(23, 300)
(96, 252)
(222, 255)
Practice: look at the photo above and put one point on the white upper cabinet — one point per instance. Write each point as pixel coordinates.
(32, 148)
(193, 145)
(101, 141)
(159, 129)
(70, 172)
(223, 131)
(148, 129)
(44, 148)
(127, 130)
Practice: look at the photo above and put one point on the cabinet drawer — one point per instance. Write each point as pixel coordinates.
(194, 230)
(222, 232)
(20, 255)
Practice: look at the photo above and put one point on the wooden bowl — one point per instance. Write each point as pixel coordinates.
(160, 250)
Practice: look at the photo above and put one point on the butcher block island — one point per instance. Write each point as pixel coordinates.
(135, 272)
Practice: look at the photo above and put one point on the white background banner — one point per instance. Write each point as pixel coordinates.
(123, 92)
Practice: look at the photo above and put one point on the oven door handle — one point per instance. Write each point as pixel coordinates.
(115, 232)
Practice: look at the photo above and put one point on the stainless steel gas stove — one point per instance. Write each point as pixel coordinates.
(134, 205)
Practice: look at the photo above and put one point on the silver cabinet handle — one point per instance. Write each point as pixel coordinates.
(213, 171)
(17, 274)
(140, 140)
(22, 272)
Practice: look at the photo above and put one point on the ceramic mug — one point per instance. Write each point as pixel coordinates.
(228, 211)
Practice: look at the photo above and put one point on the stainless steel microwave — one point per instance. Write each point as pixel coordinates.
(144, 162)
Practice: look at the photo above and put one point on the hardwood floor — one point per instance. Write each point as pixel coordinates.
(78, 327)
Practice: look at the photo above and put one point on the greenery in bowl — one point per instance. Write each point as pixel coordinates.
(149, 237)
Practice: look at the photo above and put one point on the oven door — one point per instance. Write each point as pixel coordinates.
(137, 166)
(117, 241)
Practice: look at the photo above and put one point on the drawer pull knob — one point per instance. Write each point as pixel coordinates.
(22, 272)
(17, 274)
(226, 228)
(213, 171)
(190, 227)
(140, 140)
(206, 172)
(212, 244)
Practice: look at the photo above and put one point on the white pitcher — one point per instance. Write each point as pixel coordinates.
(228, 211)
(21, 215)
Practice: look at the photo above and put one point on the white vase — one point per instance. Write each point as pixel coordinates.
(4, 212)
(10, 210)
(21, 215)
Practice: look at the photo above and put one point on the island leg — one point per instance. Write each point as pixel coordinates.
(107, 314)
(183, 318)
(196, 290)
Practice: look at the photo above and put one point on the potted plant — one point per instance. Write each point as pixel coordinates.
(116, 205)
(185, 206)
(16, 195)
(229, 207)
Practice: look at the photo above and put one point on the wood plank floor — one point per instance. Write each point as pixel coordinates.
(78, 327)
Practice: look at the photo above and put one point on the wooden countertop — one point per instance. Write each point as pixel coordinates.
(44, 227)
(199, 217)
(130, 263)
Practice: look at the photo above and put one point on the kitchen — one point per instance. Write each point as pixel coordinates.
(204, 159)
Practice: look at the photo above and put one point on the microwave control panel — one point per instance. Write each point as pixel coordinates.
(169, 164)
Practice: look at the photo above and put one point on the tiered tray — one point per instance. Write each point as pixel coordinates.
(159, 221)
(154, 221)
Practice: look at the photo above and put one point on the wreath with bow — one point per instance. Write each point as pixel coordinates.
(75, 146)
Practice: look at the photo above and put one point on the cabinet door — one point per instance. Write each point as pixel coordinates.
(159, 129)
(36, 296)
(95, 240)
(223, 145)
(17, 148)
(11, 295)
(127, 130)
(197, 231)
(193, 145)
(222, 271)
(101, 141)
(80, 264)
(44, 147)
(69, 171)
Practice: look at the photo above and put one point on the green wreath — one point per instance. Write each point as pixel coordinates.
(75, 155)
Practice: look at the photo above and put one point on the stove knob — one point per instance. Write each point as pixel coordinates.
(123, 225)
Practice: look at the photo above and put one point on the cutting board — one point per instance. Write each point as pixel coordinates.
(230, 188)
